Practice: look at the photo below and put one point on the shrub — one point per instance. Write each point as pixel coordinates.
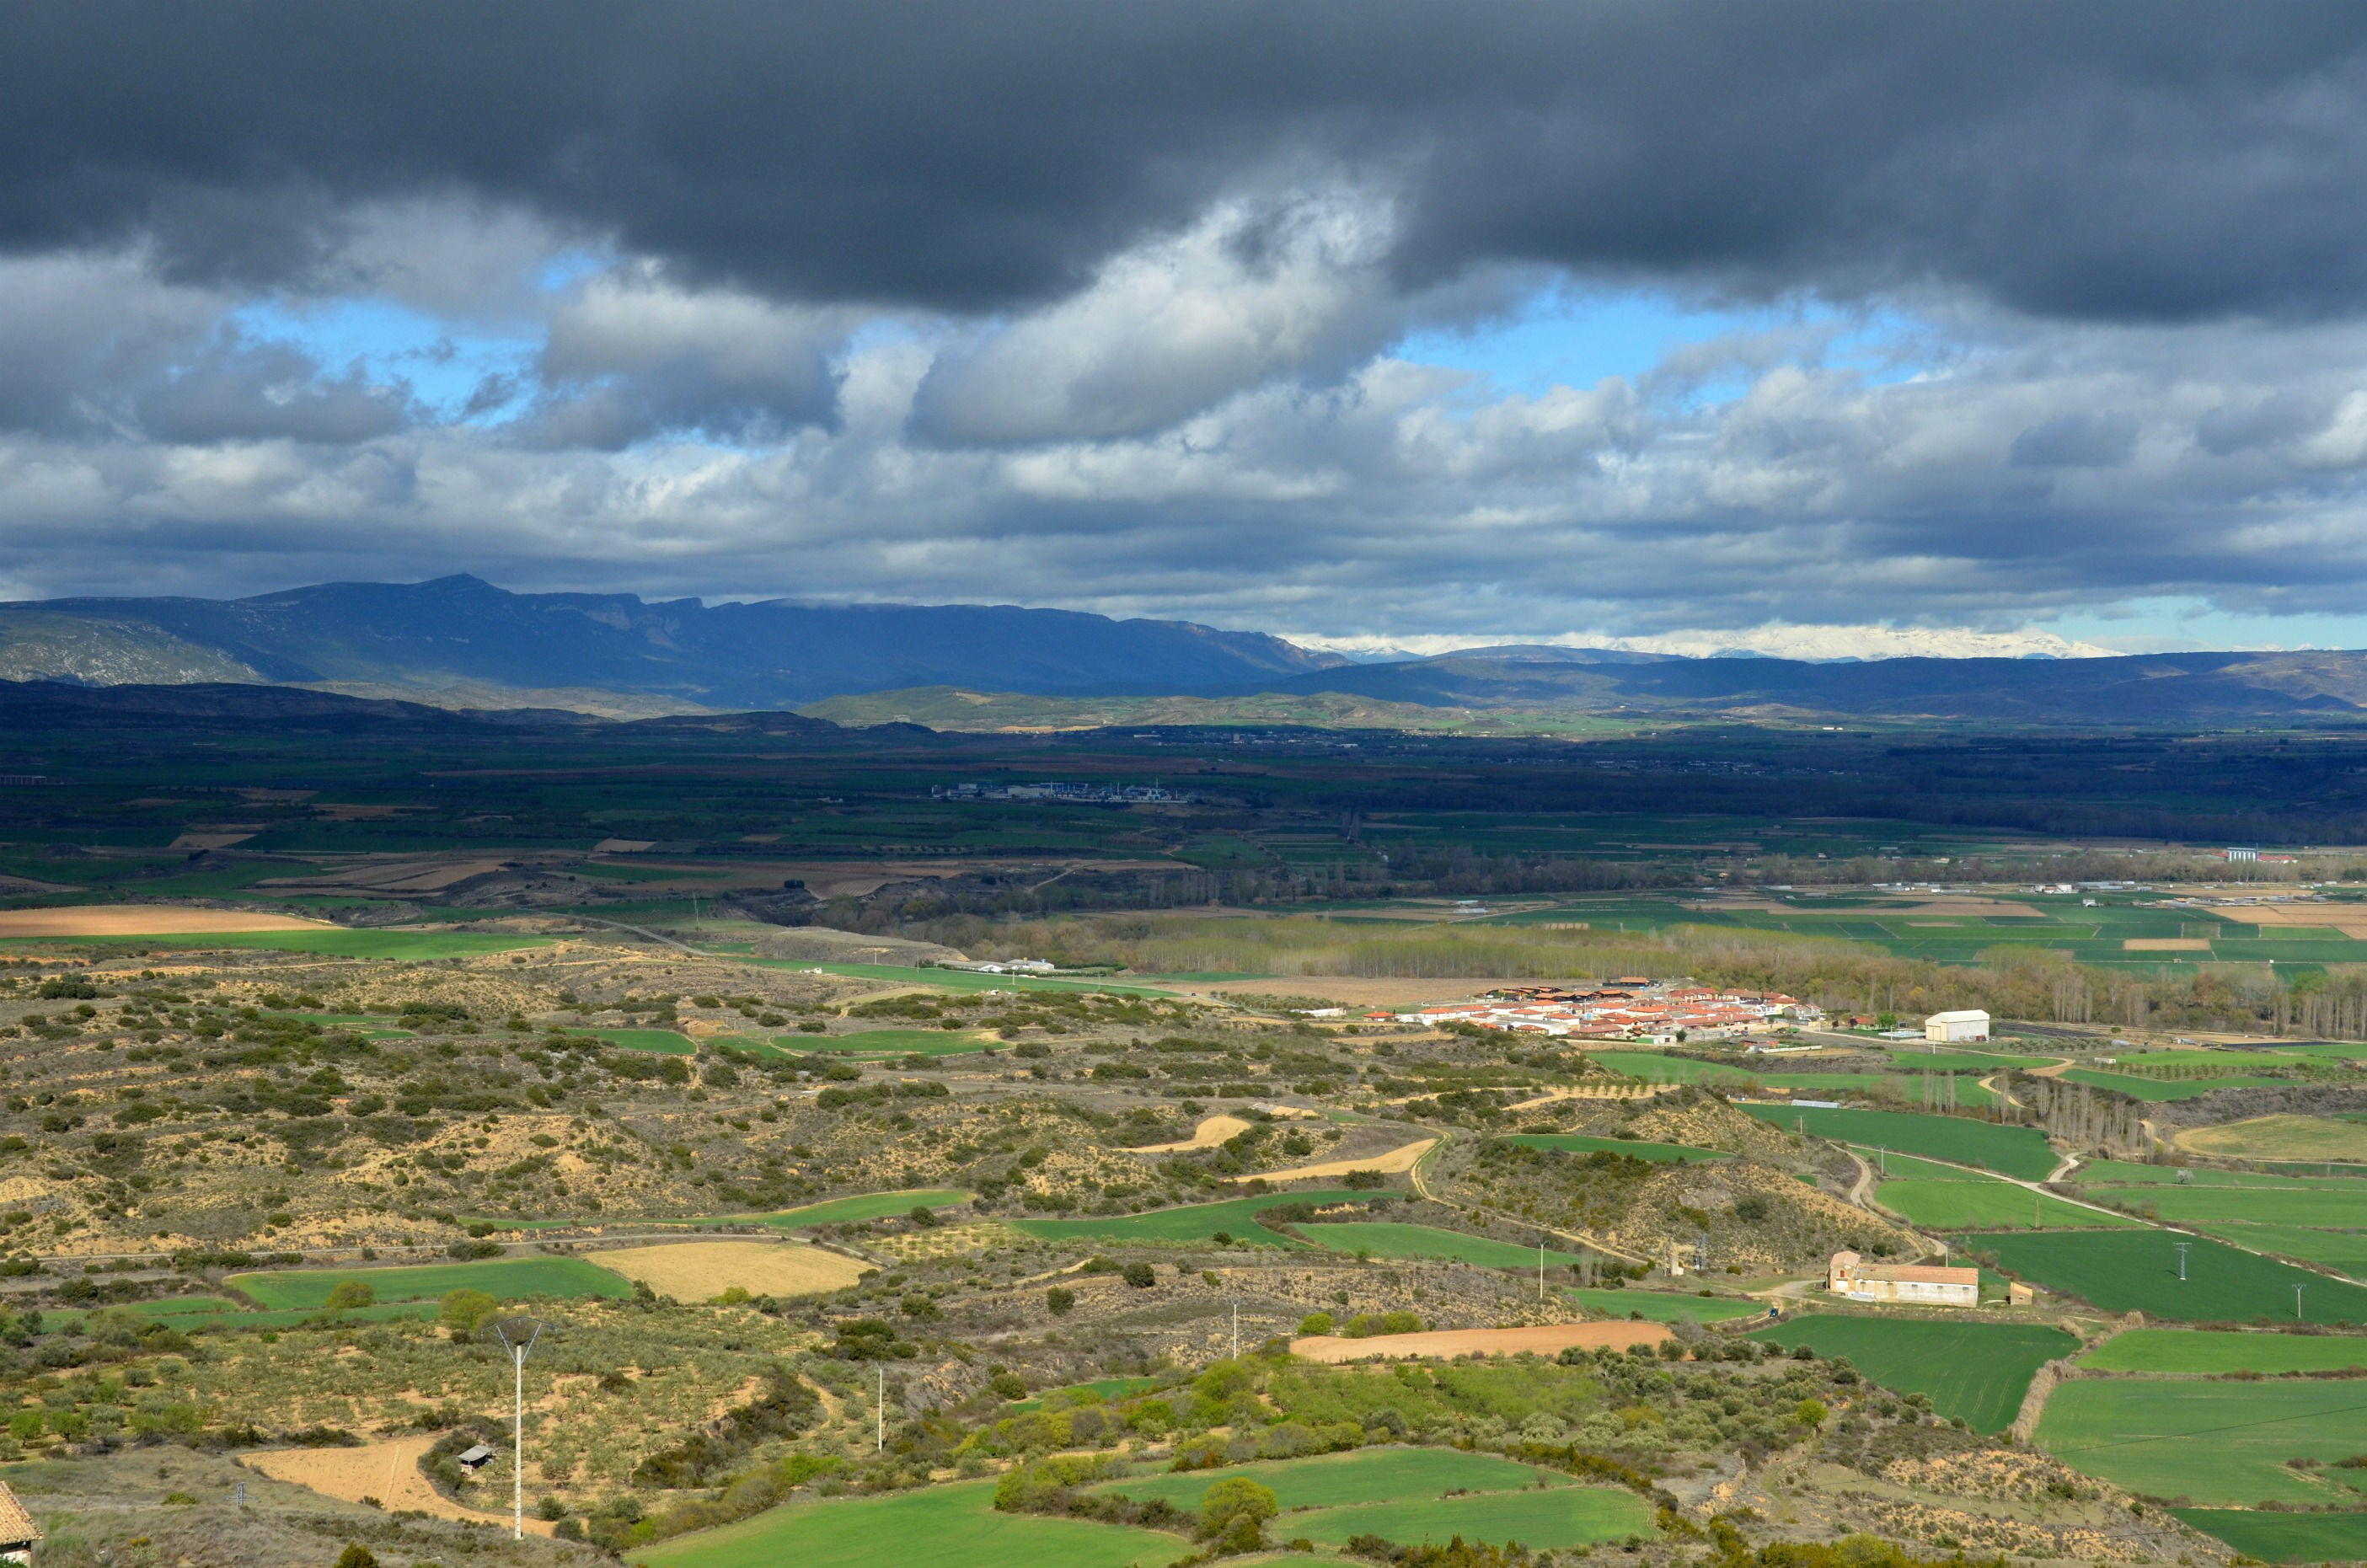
(1060, 1301)
(351, 1293)
(356, 1555)
(1237, 1507)
(1138, 1275)
(1315, 1323)
(467, 1311)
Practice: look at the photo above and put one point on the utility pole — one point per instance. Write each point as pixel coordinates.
(879, 1412)
(1237, 1328)
(517, 1336)
(2297, 1290)
(2182, 1246)
(1541, 1267)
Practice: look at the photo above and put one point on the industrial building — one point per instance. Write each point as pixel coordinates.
(1971, 1023)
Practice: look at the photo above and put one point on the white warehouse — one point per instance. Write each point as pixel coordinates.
(1970, 1024)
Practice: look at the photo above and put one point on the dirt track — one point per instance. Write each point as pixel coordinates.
(387, 1472)
(1206, 1135)
(145, 919)
(700, 1270)
(1388, 1162)
(1550, 1340)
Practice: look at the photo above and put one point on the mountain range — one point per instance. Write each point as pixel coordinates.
(460, 643)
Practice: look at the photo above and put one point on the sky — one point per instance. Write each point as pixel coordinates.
(1818, 328)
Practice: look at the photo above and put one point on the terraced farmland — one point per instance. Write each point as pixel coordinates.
(1978, 1371)
(1664, 1306)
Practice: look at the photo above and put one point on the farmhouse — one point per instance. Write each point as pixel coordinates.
(18, 1533)
(1916, 1283)
(1969, 1024)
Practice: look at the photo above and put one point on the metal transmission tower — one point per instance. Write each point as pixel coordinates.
(517, 1336)
(1700, 1253)
(2182, 1246)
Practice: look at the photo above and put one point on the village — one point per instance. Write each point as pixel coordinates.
(1631, 1009)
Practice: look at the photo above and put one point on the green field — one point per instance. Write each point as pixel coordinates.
(1366, 1475)
(2011, 1150)
(1664, 1306)
(1401, 1493)
(1653, 1067)
(1387, 1238)
(865, 1206)
(1986, 1205)
(1104, 1388)
(2126, 1173)
(2284, 1538)
(1194, 1223)
(2210, 1441)
(2217, 1351)
(892, 1042)
(1634, 1148)
(936, 1526)
(2345, 1252)
(508, 1279)
(2320, 1206)
(1975, 1371)
(2140, 1087)
(412, 947)
(957, 979)
(2136, 1271)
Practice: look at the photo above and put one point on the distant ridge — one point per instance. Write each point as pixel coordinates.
(460, 641)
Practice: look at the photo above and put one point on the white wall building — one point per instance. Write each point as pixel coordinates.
(1969, 1024)
(1911, 1284)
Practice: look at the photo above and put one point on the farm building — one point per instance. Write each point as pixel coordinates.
(18, 1533)
(1919, 1284)
(475, 1458)
(1969, 1024)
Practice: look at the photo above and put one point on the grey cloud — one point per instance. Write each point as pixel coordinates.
(2113, 159)
(240, 391)
(2077, 440)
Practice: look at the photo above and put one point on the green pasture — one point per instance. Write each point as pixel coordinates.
(2136, 1271)
(2219, 1351)
(934, 1526)
(2010, 1151)
(1653, 1067)
(2324, 1206)
(1403, 1495)
(1191, 1224)
(2209, 1440)
(1388, 1238)
(2162, 1088)
(2290, 1138)
(1634, 1148)
(415, 947)
(2343, 1251)
(2283, 1538)
(1956, 1059)
(864, 1206)
(2126, 1173)
(957, 979)
(1365, 1475)
(506, 1279)
(892, 1042)
(1100, 1389)
(1986, 1205)
(1975, 1371)
(1890, 1163)
(1664, 1306)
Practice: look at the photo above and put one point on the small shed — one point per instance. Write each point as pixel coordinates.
(1971, 1023)
(18, 1533)
(473, 1459)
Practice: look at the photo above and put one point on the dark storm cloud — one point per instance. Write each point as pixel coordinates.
(2127, 159)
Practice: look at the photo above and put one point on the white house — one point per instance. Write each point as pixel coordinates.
(1914, 1284)
(1969, 1024)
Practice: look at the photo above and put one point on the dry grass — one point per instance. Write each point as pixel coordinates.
(2164, 944)
(387, 1472)
(698, 1271)
(1214, 1130)
(1388, 1162)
